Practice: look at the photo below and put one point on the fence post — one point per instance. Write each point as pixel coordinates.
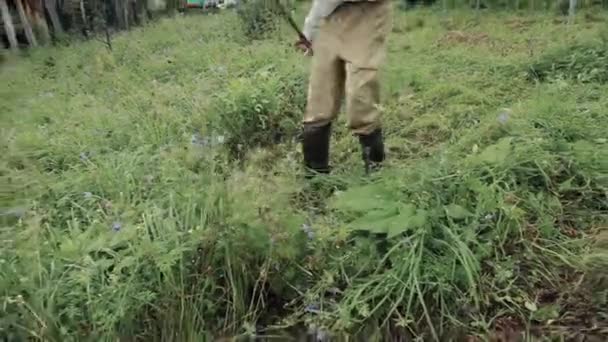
(571, 11)
(35, 12)
(51, 8)
(8, 24)
(27, 27)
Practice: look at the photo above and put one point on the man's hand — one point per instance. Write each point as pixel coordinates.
(305, 46)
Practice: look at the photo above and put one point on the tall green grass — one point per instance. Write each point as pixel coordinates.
(154, 193)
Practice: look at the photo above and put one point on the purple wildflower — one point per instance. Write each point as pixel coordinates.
(116, 226)
(222, 70)
(195, 139)
(312, 308)
(199, 140)
(334, 291)
(503, 117)
(307, 229)
(18, 212)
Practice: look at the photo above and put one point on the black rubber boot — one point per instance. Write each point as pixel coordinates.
(373, 150)
(315, 147)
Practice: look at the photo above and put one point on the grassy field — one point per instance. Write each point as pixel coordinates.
(154, 192)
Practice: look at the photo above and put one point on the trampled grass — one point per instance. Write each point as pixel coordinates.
(154, 192)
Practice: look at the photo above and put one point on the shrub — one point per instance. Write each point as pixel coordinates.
(260, 110)
(584, 63)
(259, 18)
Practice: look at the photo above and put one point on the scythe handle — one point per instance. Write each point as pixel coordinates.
(293, 24)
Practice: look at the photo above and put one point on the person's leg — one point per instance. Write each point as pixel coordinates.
(363, 97)
(325, 92)
(365, 30)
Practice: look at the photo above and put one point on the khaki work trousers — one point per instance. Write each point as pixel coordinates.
(349, 49)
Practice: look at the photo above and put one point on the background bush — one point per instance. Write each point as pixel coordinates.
(584, 63)
(261, 109)
(259, 18)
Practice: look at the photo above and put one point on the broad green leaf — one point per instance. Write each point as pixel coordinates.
(530, 306)
(456, 211)
(497, 153)
(566, 185)
(363, 199)
(546, 313)
(392, 221)
(406, 222)
(375, 221)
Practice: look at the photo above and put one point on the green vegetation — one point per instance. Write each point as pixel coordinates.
(154, 192)
(584, 63)
(259, 18)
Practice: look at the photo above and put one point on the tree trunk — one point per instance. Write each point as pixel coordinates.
(83, 15)
(51, 8)
(140, 12)
(119, 14)
(35, 13)
(8, 25)
(125, 12)
(27, 27)
(571, 11)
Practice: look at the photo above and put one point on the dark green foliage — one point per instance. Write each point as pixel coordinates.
(584, 63)
(260, 110)
(447, 221)
(259, 18)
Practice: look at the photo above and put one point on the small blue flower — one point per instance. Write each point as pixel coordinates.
(116, 226)
(209, 141)
(195, 139)
(312, 308)
(220, 69)
(334, 291)
(503, 117)
(308, 230)
(18, 212)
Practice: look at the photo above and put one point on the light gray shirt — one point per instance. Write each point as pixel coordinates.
(319, 10)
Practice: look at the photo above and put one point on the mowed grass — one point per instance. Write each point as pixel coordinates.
(154, 192)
